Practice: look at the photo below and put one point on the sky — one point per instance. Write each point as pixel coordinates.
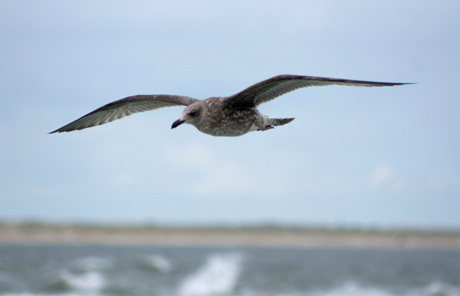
(385, 157)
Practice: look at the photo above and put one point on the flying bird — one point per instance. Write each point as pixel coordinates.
(230, 116)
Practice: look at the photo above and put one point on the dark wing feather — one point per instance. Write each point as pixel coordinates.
(269, 89)
(124, 107)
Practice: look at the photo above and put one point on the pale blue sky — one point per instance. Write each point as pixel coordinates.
(353, 156)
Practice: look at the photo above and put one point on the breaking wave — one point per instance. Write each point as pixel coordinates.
(353, 289)
(247, 272)
(91, 282)
(218, 276)
(199, 286)
(157, 262)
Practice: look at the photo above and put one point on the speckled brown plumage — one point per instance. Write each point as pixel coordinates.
(218, 116)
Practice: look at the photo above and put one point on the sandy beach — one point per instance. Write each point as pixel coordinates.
(244, 235)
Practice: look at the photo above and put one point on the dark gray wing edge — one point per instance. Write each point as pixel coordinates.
(125, 107)
(271, 88)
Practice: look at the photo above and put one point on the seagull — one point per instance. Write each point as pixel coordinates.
(230, 116)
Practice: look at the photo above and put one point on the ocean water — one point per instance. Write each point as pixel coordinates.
(74, 270)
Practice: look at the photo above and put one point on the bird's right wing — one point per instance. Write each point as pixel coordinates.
(124, 107)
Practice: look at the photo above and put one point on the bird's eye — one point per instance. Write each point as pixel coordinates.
(193, 113)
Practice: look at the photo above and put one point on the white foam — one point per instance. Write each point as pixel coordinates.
(436, 288)
(218, 276)
(160, 263)
(88, 282)
(352, 289)
(52, 294)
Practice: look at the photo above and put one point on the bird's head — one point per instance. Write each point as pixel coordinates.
(191, 114)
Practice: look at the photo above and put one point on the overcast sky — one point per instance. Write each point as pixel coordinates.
(354, 156)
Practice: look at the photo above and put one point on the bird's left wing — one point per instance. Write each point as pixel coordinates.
(124, 107)
(271, 88)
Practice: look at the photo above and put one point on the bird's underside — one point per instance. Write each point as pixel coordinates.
(219, 116)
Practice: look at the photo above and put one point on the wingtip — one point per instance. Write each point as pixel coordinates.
(406, 83)
(59, 130)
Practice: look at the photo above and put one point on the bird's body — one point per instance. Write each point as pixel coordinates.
(217, 116)
(220, 120)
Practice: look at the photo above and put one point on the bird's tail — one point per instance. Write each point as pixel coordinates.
(279, 121)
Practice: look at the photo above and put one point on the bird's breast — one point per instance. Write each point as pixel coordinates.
(228, 122)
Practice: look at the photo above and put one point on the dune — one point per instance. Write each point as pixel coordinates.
(259, 235)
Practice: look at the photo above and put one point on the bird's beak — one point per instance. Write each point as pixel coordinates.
(177, 123)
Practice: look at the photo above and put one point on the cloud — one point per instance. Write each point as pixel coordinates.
(213, 175)
(224, 178)
(192, 156)
(204, 171)
(384, 178)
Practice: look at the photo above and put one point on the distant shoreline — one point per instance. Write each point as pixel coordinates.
(270, 236)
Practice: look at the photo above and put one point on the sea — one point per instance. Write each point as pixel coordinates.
(96, 270)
